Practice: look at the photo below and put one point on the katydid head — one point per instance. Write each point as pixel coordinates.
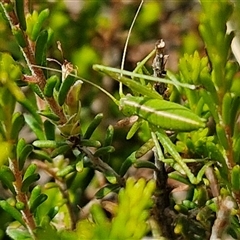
(125, 108)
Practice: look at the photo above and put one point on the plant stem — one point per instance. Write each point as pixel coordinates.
(63, 189)
(22, 197)
(28, 53)
(229, 152)
(162, 200)
(223, 218)
(102, 166)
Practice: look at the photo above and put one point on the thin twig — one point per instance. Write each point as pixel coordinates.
(162, 200)
(22, 197)
(62, 187)
(223, 218)
(28, 53)
(101, 166)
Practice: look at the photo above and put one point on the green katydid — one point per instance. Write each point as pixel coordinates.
(151, 107)
(161, 113)
(158, 112)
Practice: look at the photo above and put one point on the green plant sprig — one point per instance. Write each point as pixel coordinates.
(25, 45)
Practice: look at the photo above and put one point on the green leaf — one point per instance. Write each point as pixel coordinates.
(64, 88)
(181, 208)
(127, 164)
(85, 229)
(49, 129)
(41, 198)
(7, 177)
(227, 102)
(9, 78)
(236, 152)
(60, 150)
(50, 115)
(235, 178)
(31, 169)
(134, 128)
(17, 124)
(221, 133)
(20, 145)
(21, 14)
(36, 191)
(80, 164)
(144, 164)
(146, 147)
(35, 126)
(93, 125)
(41, 155)
(209, 101)
(136, 197)
(27, 149)
(214, 152)
(48, 144)
(43, 15)
(12, 211)
(109, 136)
(110, 177)
(102, 192)
(53, 212)
(65, 171)
(98, 214)
(6, 172)
(9, 70)
(73, 99)
(41, 47)
(28, 181)
(18, 232)
(50, 85)
(90, 143)
(7, 104)
(18, 34)
(20, 206)
(103, 151)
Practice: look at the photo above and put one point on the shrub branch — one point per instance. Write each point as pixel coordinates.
(28, 53)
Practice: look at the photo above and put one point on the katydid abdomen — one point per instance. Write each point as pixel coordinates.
(162, 113)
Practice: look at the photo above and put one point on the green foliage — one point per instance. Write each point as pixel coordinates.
(92, 190)
(131, 212)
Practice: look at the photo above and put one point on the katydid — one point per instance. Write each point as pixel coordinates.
(159, 112)
(149, 105)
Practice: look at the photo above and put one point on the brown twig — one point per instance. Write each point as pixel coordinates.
(28, 53)
(162, 201)
(102, 166)
(62, 187)
(223, 218)
(22, 197)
